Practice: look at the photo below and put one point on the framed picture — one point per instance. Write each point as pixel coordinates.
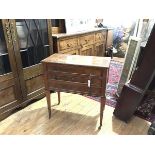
(75, 25)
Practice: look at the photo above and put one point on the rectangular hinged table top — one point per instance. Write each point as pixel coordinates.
(79, 60)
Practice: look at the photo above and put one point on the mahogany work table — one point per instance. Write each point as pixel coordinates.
(85, 75)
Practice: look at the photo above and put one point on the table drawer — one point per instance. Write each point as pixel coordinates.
(75, 87)
(87, 39)
(75, 77)
(68, 43)
(100, 36)
(74, 69)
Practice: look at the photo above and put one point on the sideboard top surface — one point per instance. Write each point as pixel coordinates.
(79, 60)
(61, 35)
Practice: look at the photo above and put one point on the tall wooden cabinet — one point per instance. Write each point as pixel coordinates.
(10, 91)
(23, 44)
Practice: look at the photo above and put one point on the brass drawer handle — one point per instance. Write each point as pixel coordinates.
(68, 45)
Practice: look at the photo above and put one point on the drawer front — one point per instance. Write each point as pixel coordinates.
(67, 86)
(72, 52)
(68, 43)
(75, 77)
(87, 50)
(100, 36)
(74, 69)
(75, 87)
(87, 39)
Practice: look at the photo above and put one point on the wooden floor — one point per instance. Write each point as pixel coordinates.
(76, 115)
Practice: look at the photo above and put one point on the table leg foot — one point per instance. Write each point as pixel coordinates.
(58, 97)
(48, 98)
(49, 114)
(101, 110)
(99, 128)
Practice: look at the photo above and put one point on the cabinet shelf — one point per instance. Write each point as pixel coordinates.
(2, 54)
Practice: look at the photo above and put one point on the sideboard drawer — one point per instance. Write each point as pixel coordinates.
(87, 39)
(69, 43)
(68, 51)
(100, 36)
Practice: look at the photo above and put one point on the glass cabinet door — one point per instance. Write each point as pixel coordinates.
(10, 93)
(33, 40)
(4, 57)
(32, 43)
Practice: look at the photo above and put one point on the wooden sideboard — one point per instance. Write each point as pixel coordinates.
(92, 43)
(76, 74)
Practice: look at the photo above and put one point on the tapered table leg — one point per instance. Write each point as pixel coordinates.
(102, 106)
(58, 97)
(48, 98)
